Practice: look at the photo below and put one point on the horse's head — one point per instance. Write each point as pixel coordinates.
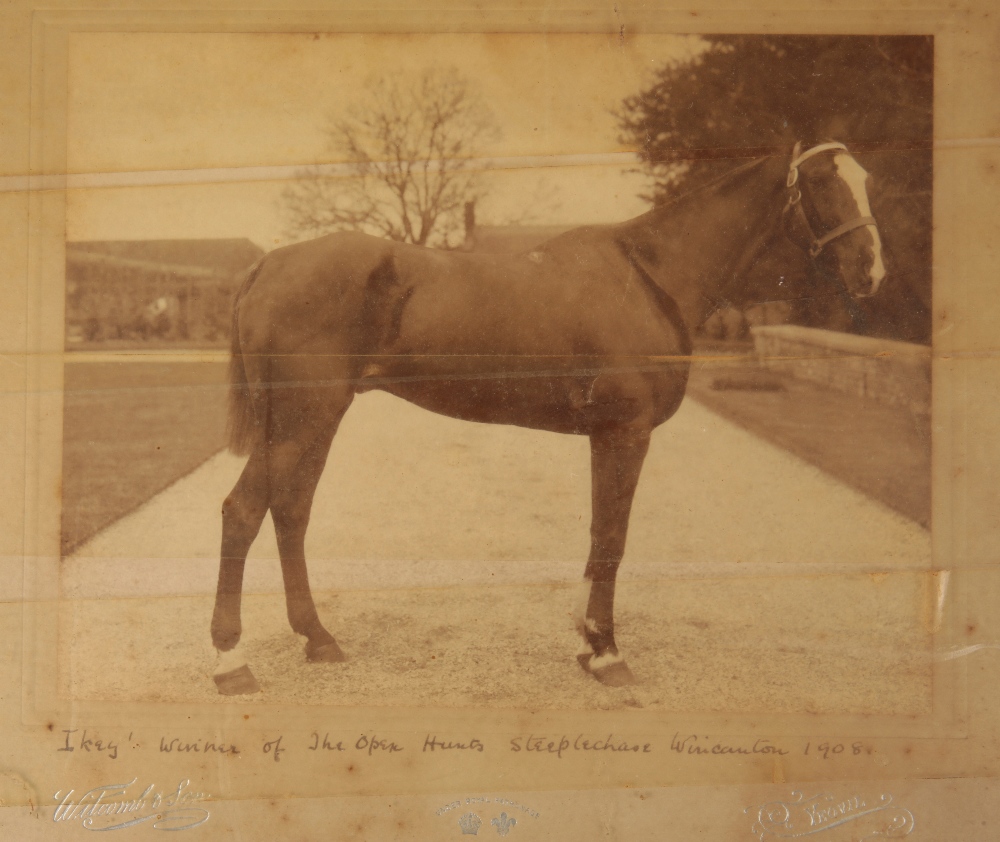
(829, 216)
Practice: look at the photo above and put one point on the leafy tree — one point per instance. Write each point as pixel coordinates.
(744, 96)
(408, 142)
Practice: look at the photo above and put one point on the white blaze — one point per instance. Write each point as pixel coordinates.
(855, 176)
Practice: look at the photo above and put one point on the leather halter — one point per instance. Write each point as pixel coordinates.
(798, 214)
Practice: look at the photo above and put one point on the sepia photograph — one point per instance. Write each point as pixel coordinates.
(468, 373)
(537, 422)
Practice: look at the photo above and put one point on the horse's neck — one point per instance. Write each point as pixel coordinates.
(698, 247)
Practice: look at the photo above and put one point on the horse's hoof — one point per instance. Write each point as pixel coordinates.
(326, 653)
(615, 674)
(237, 682)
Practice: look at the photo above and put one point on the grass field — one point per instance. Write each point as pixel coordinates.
(130, 430)
(882, 451)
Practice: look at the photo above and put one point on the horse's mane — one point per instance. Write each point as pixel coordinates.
(719, 181)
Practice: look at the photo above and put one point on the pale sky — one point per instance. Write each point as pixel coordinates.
(193, 109)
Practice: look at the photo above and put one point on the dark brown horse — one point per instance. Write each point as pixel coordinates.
(587, 334)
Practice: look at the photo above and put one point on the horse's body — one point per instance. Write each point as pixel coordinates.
(447, 331)
(587, 334)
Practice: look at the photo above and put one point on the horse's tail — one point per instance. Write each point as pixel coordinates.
(244, 423)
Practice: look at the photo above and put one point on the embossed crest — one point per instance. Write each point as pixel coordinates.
(801, 816)
(470, 824)
(503, 823)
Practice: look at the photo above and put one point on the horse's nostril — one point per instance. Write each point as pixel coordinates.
(869, 285)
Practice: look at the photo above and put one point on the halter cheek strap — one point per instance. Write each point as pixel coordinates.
(816, 244)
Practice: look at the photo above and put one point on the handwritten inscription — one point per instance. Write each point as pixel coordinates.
(118, 806)
(827, 750)
(541, 744)
(693, 744)
(273, 747)
(326, 744)
(90, 744)
(432, 743)
(198, 746)
(374, 744)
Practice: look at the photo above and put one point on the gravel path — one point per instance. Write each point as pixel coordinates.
(444, 556)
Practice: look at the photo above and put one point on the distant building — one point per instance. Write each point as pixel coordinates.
(134, 292)
(506, 239)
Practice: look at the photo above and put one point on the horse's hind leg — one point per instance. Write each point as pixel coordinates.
(616, 462)
(242, 514)
(304, 427)
(281, 475)
(290, 507)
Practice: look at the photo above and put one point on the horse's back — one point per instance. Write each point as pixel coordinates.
(572, 295)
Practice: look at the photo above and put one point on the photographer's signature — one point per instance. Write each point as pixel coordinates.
(800, 816)
(118, 806)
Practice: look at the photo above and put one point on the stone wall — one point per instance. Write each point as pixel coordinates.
(893, 373)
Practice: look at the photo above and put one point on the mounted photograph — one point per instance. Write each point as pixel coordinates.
(549, 372)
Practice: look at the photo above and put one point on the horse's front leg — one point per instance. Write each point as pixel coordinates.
(616, 457)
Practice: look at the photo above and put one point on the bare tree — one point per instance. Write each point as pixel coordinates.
(408, 143)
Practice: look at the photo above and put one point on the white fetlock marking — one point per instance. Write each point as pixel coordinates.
(606, 660)
(231, 660)
(585, 648)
